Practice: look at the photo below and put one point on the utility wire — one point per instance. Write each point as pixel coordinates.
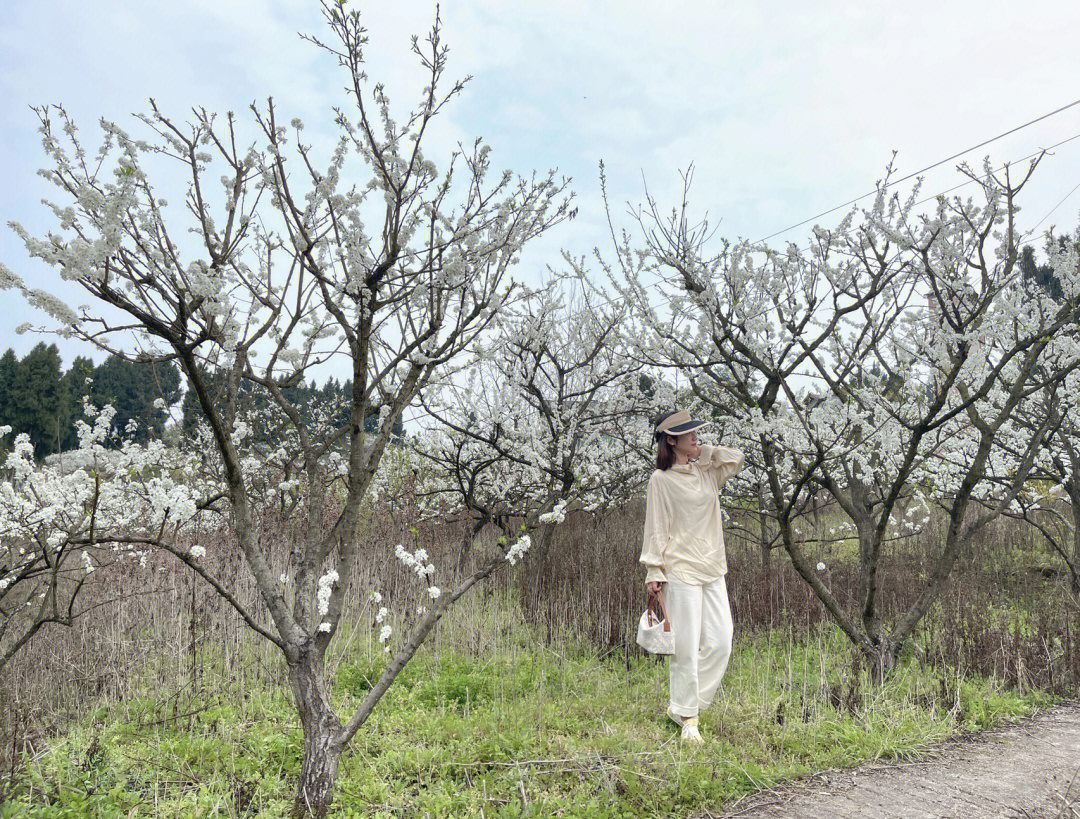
(1058, 205)
(927, 168)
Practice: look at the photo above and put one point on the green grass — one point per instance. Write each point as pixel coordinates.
(457, 733)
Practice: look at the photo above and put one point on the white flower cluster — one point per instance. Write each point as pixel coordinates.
(325, 587)
(520, 547)
(417, 562)
(556, 515)
(197, 552)
(553, 384)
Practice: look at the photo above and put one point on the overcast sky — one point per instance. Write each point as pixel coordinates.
(785, 109)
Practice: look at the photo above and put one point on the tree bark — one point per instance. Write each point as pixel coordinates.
(763, 524)
(322, 735)
(1073, 488)
(535, 565)
(1076, 552)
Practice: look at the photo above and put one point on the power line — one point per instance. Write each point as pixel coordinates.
(1058, 205)
(927, 168)
(667, 280)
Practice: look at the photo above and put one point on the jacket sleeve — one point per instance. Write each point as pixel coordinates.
(656, 534)
(720, 462)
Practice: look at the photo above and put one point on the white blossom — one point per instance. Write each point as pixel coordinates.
(521, 545)
(556, 515)
(325, 587)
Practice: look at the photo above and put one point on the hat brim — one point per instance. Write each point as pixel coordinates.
(689, 426)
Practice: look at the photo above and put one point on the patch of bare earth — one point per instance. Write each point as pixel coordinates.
(1028, 770)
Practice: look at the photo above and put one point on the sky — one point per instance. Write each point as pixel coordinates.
(785, 109)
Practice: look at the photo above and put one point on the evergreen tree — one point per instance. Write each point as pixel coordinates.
(41, 401)
(75, 381)
(1042, 275)
(132, 388)
(305, 397)
(9, 366)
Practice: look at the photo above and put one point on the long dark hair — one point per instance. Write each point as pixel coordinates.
(665, 452)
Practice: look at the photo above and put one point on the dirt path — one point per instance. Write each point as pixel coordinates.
(1020, 771)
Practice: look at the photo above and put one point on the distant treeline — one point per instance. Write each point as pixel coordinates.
(37, 397)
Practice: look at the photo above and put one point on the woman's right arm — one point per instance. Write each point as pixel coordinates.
(655, 536)
(722, 462)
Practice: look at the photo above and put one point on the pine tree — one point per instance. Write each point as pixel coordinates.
(1042, 275)
(75, 381)
(41, 401)
(132, 388)
(9, 366)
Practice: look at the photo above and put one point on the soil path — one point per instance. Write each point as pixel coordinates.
(1024, 770)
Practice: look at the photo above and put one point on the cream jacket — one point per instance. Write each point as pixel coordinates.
(683, 533)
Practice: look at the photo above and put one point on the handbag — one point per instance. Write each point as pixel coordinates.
(654, 634)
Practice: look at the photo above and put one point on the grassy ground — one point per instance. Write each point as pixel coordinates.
(514, 728)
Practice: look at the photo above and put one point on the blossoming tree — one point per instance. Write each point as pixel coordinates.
(1058, 464)
(296, 264)
(886, 364)
(551, 417)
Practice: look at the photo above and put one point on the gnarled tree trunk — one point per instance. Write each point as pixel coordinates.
(322, 734)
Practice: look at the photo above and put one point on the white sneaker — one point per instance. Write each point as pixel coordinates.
(690, 731)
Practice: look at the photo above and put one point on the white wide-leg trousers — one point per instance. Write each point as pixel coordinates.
(701, 619)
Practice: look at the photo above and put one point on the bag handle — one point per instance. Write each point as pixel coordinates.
(659, 597)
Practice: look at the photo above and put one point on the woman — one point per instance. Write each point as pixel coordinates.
(684, 556)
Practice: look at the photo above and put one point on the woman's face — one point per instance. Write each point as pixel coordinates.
(686, 446)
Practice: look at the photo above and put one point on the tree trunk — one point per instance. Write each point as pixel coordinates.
(533, 569)
(468, 540)
(881, 658)
(1074, 569)
(765, 547)
(1072, 489)
(322, 735)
